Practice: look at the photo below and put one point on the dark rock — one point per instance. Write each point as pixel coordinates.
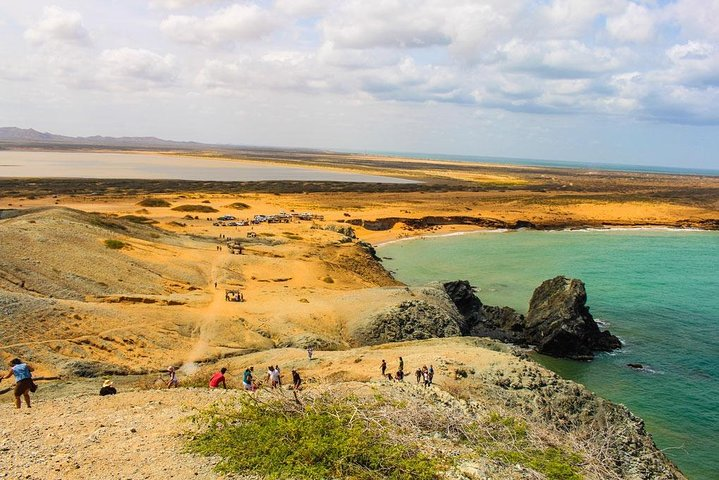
(559, 322)
(637, 366)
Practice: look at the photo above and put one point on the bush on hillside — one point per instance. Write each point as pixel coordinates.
(154, 202)
(238, 206)
(115, 244)
(195, 208)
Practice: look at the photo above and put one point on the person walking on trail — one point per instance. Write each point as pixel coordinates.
(383, 367)
(425, 376)
(23, 381)
(274, 377)
(172, 382)
(431, 374)
(279, 376)
(310, 351)
(401, 364)
(247, 380)
(296, 380)
(418, 374)
(219, 378)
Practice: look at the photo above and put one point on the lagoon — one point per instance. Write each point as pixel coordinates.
(25, 164)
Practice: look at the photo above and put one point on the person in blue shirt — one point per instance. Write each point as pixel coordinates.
(23, 380)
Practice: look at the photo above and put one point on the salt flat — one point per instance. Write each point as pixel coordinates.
(24, 164)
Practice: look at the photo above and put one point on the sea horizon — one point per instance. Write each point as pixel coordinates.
(536, 162)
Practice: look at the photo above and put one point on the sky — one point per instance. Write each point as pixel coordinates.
(616, 81)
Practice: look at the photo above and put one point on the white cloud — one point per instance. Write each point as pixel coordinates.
(635, 24)
(130, 68)
(232, 24)
(696, 18)
(178, 4)
(301, 8)
(58, 26)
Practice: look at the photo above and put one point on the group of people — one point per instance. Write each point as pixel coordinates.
(424, 375)
(251, 383)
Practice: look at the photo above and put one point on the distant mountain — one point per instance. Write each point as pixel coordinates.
(30, 137)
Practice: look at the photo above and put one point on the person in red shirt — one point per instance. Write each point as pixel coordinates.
(218, 378)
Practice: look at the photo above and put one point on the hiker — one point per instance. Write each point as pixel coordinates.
(431, 374)
(383, 367)
(247, 382)
(107, 388)
(425, 376)
(401, 364)
(418, 374)
(215, 285)
(218, 378)
(279, 376)
(274, 377)
(173, 382)
(23, 381)
(296, 380)
(310, 351)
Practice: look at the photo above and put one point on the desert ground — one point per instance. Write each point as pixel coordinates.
(120, 278)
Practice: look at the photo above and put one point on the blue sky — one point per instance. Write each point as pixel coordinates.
(579, 80)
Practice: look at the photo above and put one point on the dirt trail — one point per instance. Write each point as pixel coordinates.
(132, 435)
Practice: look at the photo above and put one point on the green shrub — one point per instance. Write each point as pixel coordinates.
(195, 208)
(554, 463)
(115, 244)
(322, 440)
(154, 202)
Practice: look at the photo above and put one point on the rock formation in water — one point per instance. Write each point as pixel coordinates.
(558, 322)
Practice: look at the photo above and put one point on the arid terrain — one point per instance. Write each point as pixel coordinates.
(113, 278)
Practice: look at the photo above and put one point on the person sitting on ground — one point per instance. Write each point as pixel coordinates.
(218, 378)
(23, 381)
(400, 376)
(107, 388)
(296, 380)
(389, 377)
(247, 380)
(173, 382)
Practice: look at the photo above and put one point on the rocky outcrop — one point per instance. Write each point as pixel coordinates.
(558, 322)
(410, 320)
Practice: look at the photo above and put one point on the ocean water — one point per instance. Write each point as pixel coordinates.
(535, 162)
(657, 290)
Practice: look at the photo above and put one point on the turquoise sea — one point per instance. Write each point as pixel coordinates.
(657, 290)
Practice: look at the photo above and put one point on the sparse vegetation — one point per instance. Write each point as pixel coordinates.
(115, 244)
(238, 206)
(154, 202)
(195, 208)
(138, 219)
(322, 439)
(328, 279)
(291, 236)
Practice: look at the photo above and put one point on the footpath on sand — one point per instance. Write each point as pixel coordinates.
(129, 436)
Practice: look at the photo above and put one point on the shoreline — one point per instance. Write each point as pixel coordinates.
(657, 228)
